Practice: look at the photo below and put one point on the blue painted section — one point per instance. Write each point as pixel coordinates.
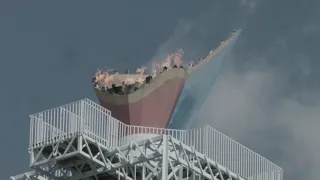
(197, 88)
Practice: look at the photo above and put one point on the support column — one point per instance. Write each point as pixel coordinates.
(165, 157)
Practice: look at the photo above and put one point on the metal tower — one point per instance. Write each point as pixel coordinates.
(81, 140)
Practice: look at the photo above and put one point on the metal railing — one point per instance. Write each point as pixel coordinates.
(96, 122)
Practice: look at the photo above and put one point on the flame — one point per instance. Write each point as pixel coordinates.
(140, 70)
(103, 77)
(167, 62)
(98, 76)
(178, 57)
(107, 76)
(155, 67)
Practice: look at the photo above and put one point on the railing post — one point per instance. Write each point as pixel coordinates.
(280, 174)
(31, 132)
(81, 116)
(81, 130)
(31, 140)
(207, 140)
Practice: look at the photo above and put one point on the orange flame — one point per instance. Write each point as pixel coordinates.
(178, 57)
(155, 67)
(167, 62)
(140, 70)
(103, 77)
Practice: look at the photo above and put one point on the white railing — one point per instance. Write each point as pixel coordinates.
(96, 122)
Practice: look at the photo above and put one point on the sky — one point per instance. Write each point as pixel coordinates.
(266, 97)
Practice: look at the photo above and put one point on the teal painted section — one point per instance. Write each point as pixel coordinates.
(197, 89)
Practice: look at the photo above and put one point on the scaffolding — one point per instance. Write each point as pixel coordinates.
(82, 140)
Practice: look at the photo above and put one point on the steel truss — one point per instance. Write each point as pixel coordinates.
(161, 157)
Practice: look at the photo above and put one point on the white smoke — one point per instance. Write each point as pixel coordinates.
(187, 38)
(250, 5)
(171, 44)
(252, 108)
(255, 103)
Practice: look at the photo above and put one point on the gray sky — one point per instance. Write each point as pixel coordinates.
(267, 96)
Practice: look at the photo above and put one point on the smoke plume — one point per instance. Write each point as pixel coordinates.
(267, 96)
(257, 108)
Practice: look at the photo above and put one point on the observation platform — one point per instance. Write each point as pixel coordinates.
(82, 140)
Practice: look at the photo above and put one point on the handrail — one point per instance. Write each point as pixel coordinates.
(94, 121)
